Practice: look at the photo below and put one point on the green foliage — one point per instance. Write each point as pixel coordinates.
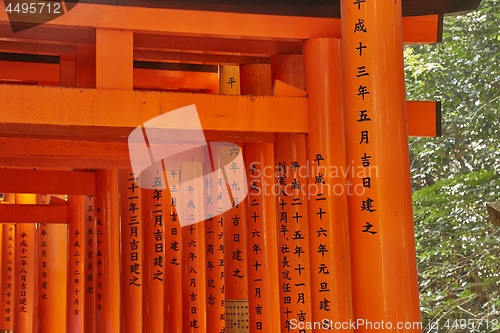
(455, 175)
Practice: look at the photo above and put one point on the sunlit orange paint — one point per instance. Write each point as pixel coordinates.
(214, 266)
(327, 196)
(234, 228)
(384, 276)
(193, 264)
(99, 107)
(153, 266)
(174, 273)
(262, 247)
(292, 219)
(114, 59)
(132, 243)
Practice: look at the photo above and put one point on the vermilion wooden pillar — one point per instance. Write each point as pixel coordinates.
(67, 70)
(85, 78)
(154, 251)
(193, 257)
(85, 65)
(132, 244)
(90, 265)
(114, 59)
(290, 160)
(108, 252)
(52, 272)
(25, 275)
(327, 197)
(173, 257)
(76, 264)
(114, 70)
(235, 233)
(7, 277)
(380, 208)
(76, 228)
(214, 244)
(262, 246)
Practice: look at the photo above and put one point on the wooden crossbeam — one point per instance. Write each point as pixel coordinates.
(24, 213)
(28, 47)
(77, 154)
(114, 108)
(192, 22)
(185, 49)
(38, 146)
(47, 181)
(424, 118)
(203, 23)
(422, 29)
(111, 134)
(111, 108)
(198, 58)
(29, 71)
(181, 80)
(43, 33)
(69, 149)
(213, 45)
(51, 162)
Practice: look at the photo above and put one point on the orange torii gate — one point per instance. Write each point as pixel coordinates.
(311, 93)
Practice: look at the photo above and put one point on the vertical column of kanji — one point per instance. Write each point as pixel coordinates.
(85, 78)
(173, 257)
(154, 250)
(380, 212)
(114, 70)
(235, 234)
(76, 227)
(131, 255)
(262, 246)
(43, 266)
(327, 209)
(76, 264)
(7, 277)
(214, 253)
(108, 252)
(53, 270)
(90, 266)
(291, 173)
(235, 245)
(190, 200)
(99, 260)
(25, 275)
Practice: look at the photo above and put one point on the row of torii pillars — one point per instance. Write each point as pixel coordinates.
(350, 255)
